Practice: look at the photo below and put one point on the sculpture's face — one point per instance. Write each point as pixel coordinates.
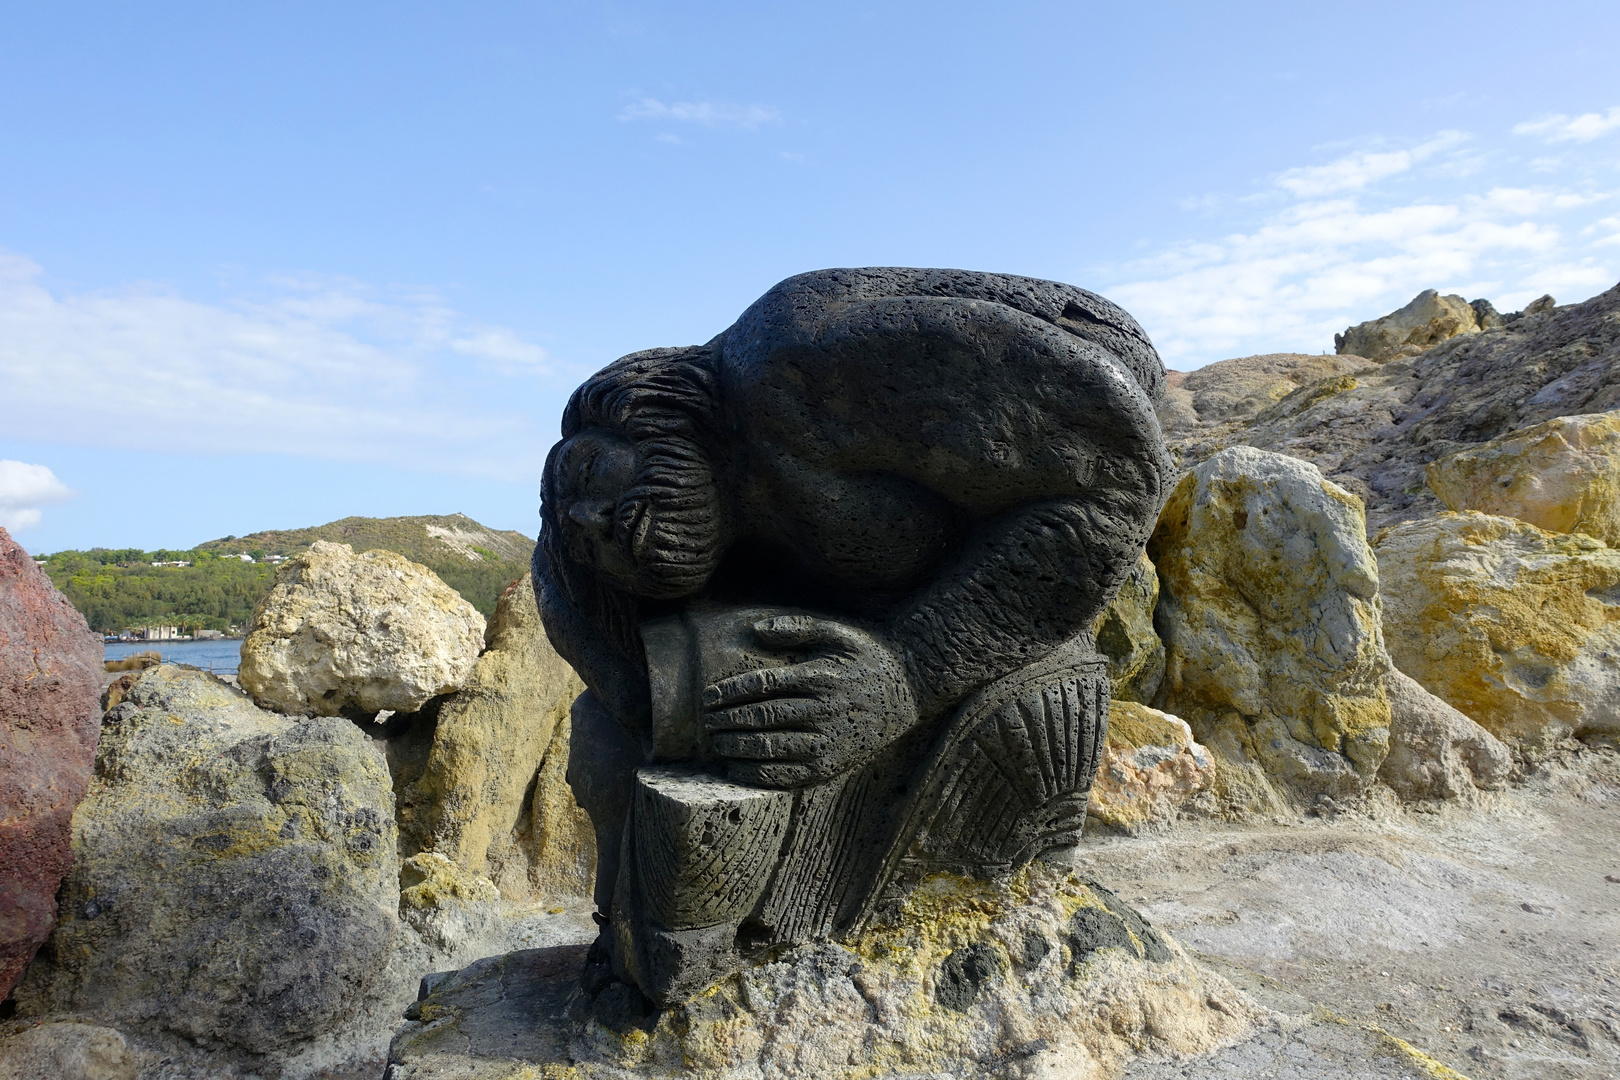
(595, 470)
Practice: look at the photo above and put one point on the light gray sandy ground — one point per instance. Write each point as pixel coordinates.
(1487, 936)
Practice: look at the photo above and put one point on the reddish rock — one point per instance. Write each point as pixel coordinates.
(50, 716)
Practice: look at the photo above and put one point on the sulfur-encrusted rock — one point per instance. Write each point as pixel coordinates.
(1435, 752)
(1125, 635)
(1150, 769)
(1270, 612)
(1231, 392)
(341, 633)
(1423, 323)
(1514, 626)
(50, 680)
(1374, 431)
(235, 879)
(445, 904)
(1038, 976)
(1562, 476)
(490, 794)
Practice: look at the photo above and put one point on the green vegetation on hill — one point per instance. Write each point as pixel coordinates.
(121, 588)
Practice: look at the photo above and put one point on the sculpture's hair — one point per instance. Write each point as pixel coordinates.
(665, 401)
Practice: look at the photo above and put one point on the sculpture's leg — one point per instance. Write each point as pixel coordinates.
(602, 762)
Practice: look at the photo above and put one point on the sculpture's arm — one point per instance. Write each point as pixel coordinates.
(620, 684)
(1026, 582)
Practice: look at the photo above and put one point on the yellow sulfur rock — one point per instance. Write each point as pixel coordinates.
(1150, 768)
(1516, 627)
(1125, 635)
(1562, 476)
(1270, 607)
(489, 794)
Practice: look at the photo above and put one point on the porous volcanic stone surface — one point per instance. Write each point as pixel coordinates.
(1041, 975)
(50, 680)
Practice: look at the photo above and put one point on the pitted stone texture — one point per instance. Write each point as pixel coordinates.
(490, 795)
(1270, 610)
(235, 877)
(50, 679)
(1516, 627)
(1562, 476)
(1037, 976)
(1125, 635)
(1435, 752)
(1152, 768)
(341, 633)
(1423, 323)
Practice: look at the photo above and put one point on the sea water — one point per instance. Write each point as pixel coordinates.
(220, 656)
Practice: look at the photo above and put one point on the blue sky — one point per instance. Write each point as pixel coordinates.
(262, 266)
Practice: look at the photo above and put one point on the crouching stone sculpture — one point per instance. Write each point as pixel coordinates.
(828, 579)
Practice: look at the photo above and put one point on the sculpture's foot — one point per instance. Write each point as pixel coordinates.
(607, 999)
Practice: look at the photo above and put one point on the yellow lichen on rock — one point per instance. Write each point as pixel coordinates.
(1270, 607)
(1125, 635)
(1516, 627)
(490, 794)
(1562, 476)
(1150, 768)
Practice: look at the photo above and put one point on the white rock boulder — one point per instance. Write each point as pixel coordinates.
(347, 634)
(1435, 752)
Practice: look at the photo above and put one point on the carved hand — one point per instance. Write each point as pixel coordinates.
(845, 698)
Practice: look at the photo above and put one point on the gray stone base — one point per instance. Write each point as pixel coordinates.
(1036, 976)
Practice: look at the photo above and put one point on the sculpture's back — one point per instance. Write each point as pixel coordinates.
(828, 579)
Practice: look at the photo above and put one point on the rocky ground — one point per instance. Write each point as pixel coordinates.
(1487, 936)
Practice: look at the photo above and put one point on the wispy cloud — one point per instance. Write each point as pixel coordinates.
(710, 114)
(318, 367)
(1325, 246)
(1356, 171)
(1563, 128)
(24, 490)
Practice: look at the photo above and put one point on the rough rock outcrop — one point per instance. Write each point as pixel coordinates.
(1270, 614)
(347, 634)
(1040, 976)
(484, 796)
(1514, 626)
(1435, 752)
(50, 682)
(1423, 323)
(1125, 635)
(235, 878)
(1232, 392)
(1562, 476)
(1374, 432)
(1150, 769)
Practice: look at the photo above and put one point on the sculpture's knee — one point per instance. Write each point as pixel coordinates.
(602, 762)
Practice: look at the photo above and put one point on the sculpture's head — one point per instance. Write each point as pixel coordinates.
(629, 493)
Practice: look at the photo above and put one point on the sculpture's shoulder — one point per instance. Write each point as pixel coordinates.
(826, 320)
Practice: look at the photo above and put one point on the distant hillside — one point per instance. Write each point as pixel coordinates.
(118, 588)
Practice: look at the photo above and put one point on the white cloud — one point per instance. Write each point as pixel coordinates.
(318, 367)
(712, 114)
(1303, 266)
(24, 490)
(1562, 128)
(1355, 171)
